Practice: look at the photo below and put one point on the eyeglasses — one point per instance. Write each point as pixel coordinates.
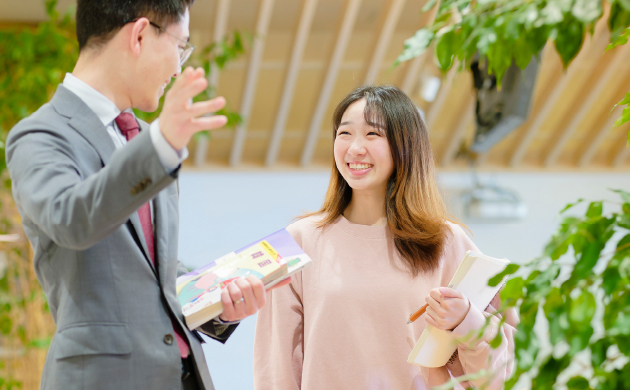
(185, 51)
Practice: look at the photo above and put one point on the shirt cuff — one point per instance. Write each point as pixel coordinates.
(467, 332)
(170, 158)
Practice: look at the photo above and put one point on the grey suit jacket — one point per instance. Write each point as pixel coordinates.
(78, 198)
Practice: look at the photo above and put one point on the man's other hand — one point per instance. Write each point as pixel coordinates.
(181, 118)
(243, 297)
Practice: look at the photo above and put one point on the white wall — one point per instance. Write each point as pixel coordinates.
(224, 211)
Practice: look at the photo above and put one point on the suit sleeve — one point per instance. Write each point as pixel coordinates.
(75, 211)
(279, 341)
(475, 353)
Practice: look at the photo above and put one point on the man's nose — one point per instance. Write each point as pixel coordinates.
(179, 71)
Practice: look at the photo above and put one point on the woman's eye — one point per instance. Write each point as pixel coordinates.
(374, 133)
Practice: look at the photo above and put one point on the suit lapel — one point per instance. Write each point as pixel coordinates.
(86, 122)
(134, 219)
(137, 225)
(162, 233)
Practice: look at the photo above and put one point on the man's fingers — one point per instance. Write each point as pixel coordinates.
(207, 123)
(205, 107)
(228, 306)
(188, 85)
(251, 306)
(258, 289)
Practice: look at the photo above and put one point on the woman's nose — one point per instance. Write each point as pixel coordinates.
(357, 147)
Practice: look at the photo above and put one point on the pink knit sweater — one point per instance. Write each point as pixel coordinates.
(341, 324)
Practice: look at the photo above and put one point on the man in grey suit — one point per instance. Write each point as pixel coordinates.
(98, 194)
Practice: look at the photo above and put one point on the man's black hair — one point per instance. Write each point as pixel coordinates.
(99, 20)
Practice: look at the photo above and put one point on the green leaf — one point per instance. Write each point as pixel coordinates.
(509, 270)
(513, 289)
(416, 45)
(549, 372)
(610, 279)
(594, 210)
(598, 352)
(496, 341)
(579, 340)
(430, 4)
(582, 308)
(618, 21)
(445, 49)
(625, 117)
(522, 52)
(569, 40)
(568, 206)
(624, 195)
(578, 383)
(621, 39)
(555, 311)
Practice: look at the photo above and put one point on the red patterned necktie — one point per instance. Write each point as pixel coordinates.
(129, 128)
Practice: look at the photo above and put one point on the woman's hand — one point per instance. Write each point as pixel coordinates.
(447, 308)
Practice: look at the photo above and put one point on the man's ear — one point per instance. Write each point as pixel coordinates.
(138, 33)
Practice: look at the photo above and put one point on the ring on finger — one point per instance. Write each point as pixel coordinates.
(239, 301)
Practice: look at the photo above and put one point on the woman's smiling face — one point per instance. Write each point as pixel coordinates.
(362, 152)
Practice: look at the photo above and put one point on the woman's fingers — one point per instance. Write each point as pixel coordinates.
(447, 292)
(435, 294)
(434, 305)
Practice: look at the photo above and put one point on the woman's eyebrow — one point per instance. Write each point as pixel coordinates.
(344, 123)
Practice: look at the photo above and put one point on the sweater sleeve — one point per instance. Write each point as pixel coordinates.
(280, 338)
(475, 353)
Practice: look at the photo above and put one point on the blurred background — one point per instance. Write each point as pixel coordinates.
(283, 65)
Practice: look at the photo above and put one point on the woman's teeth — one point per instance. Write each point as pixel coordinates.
(359, 166)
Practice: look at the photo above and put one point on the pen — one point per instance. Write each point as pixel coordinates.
(417, 314)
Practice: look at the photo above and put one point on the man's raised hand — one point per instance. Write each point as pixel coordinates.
(181, 118)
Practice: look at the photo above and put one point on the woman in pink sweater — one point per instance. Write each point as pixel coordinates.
(381, 246)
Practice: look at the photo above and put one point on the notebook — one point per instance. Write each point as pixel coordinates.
(436, 346)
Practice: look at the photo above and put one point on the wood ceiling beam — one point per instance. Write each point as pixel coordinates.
(589, 152)
(440, 100)
(384, 39)
(304, 27)
(614, 68)
(418, 63)
(262, 26)
(455, 139)
(413, 70)
(220, 27)
(624, 151)
(347, 25)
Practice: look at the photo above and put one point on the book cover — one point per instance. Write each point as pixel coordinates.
(271, 259)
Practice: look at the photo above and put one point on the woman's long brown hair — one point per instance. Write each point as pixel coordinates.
(415, 211)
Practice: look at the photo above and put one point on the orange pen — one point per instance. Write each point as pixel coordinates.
(417, 314)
